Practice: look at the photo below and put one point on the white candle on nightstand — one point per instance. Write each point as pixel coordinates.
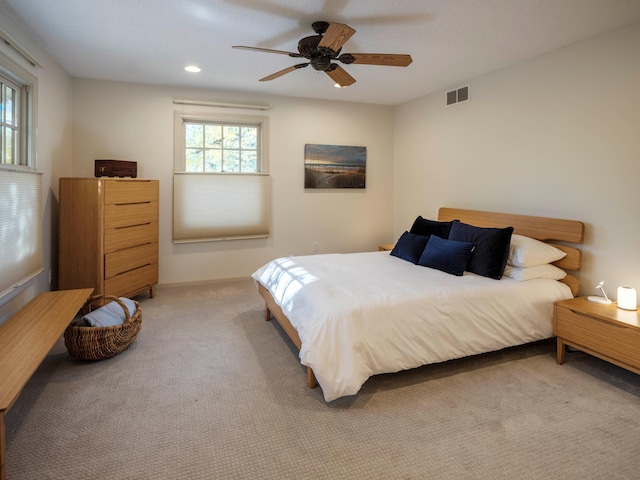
(627, 298)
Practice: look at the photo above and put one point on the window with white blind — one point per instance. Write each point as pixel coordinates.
(20, 185)
(20, 227)
(221, 189)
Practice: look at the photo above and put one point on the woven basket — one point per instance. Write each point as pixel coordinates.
(99, 343)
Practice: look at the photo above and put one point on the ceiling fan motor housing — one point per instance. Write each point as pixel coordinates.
(308, 46)
(320, 59)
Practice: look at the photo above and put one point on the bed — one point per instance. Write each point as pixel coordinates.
(356, 315)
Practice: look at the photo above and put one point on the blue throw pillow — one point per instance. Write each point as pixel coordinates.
(422, 226)
(449, 256)
(492, 247)
(409, 247)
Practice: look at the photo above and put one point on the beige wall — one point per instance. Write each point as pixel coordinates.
(555, 136)
(135, 122)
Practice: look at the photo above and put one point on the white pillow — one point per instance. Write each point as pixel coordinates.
(522, 274)
(529, 252)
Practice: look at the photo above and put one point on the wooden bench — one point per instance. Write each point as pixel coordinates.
(25, 340)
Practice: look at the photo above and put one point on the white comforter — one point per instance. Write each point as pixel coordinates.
(362, 314)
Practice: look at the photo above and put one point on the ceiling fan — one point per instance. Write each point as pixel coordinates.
(324, 48)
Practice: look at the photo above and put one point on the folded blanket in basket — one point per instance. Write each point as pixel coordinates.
(109, 315)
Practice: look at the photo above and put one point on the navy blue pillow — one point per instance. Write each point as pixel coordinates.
(409, 247)
(449, 256)
(492, 247)
(422, 226)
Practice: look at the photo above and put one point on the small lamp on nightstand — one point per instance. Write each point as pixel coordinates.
(595, 298)
(627, 298)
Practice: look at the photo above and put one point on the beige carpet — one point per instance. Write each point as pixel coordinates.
(209, 390)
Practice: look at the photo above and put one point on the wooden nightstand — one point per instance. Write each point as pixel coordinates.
(386, 248)
(604, 331)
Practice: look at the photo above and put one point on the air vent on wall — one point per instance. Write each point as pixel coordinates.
(459, 95)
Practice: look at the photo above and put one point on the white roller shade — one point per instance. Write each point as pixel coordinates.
(220, 206)
(20, 227)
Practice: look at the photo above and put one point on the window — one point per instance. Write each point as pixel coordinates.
(16, 114)
(20, 185)
(20, 228)
(9, 120)
(14, 122)
(211, 147)
(221, 190)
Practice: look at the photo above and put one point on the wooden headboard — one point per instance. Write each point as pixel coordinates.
(540, 228)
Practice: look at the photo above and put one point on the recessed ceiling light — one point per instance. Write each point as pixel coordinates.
(192, 69)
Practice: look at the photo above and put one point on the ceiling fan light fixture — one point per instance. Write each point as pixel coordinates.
(324, 47)
(193, 69)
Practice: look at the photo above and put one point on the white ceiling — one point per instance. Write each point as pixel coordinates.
(451, 41)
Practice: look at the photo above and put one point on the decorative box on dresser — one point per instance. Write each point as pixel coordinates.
(108, 236)
(601, 330)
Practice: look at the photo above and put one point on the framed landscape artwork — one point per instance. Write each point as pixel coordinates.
(334, 166)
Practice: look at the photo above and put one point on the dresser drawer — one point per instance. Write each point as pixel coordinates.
(611, 339)
(117, 216)
(120, 238)
(130, 191)
(129, 259)
(133, 281)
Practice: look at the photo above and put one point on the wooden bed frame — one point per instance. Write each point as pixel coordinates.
(540, 228)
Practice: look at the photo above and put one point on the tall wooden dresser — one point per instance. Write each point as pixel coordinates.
(108, 235)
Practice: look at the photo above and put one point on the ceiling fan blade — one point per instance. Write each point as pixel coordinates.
(336, 35)
(267, 50)
(283, 72)
(340, 76)
(385, 59)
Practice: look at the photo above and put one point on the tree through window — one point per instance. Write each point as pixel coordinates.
(212, 147)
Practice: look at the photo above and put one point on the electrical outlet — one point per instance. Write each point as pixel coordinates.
(314, 246)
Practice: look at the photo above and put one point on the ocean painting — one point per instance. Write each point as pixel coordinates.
(334, 166)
